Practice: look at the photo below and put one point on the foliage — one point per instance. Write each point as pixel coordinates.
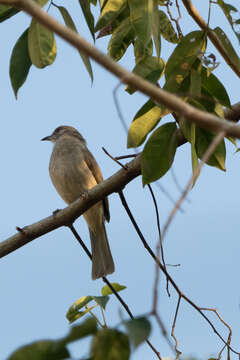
(142, 24)
(106, 343)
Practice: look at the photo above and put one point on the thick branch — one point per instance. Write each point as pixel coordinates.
(67, 216)
(211, 34)
(171, 101)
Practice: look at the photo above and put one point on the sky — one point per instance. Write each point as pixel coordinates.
(42, 279)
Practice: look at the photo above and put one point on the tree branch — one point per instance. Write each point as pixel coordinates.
(172, 102)
(211, 34)
(68, 215)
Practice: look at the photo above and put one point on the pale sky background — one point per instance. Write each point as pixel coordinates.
(42, 279)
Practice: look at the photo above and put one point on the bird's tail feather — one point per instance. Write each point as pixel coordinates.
(102, 261)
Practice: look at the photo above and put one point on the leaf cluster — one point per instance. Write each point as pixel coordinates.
(188, 72)
(106, 343)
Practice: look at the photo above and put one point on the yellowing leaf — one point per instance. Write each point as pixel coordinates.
(41, 45)
(144, 121)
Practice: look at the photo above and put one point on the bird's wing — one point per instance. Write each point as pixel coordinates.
(95, 169)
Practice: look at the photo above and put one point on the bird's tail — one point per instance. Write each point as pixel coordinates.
(102, 261)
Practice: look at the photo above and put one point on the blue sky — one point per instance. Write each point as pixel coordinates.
(42, 279)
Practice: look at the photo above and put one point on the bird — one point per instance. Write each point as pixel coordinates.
(73, 171)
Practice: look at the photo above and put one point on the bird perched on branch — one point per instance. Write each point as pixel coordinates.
(74, 170)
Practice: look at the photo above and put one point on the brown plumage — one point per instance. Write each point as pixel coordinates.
(73, 170)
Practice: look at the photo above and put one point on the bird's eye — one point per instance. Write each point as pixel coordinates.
(58, 130)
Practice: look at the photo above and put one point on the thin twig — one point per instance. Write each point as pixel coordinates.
(126, 156)
(173, 283)
(75, 233)
(225, 324)
(173, 328)
(205, 158)
(114, 159)
(159, 248)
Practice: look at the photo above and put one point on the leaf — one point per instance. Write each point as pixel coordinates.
(121, 38)
(213, 85)
(41, 45)
(101, 300)
(150, 68)
(73, 316)
(88, 327)
(144, 121)
(203, 140)
(138, 330)
(117, 287)
(159, 152)
(227, 46)
(76, 306)
(40, 350)
(69, 23)
(6, 12)
(55, 349)
(110, 344)
(141, 51)
(20, 62)
(227, 9)
(109, 13)
(195, 83)
(182, 59)
(166, 29)
(85, 5)
(141, 16)
(156, 28)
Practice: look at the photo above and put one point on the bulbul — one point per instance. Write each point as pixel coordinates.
(74, 170)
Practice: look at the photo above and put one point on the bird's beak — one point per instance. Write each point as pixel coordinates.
(47, 138)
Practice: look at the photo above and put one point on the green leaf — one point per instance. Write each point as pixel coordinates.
(110, 12)
(6, 12)
(141, 51)
(41, 45)
(144, 121)
(117, 287)
(227, 46)
(141, 16)
(20, 62)
(101, 300)
(150, 68)
(156, 28)
(41, 350)
(121, 38)
(110, 344)
(55, 349)
(69, 23)
(159, 152)
(203, 140)
(182, 59)
(195, 83)
(214, 86)
(166, 29)
(85, 5)
(88, 327)
(227, 9)
(138, 330)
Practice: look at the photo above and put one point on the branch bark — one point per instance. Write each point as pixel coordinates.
(172, 102)
(210, 33)
(68, 215)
